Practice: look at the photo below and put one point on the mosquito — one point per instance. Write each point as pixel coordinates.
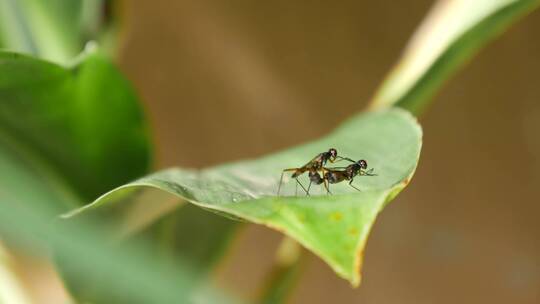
(313, 167)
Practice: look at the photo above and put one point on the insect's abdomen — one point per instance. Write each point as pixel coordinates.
(315, 178)
(331, 177)
(334, 177)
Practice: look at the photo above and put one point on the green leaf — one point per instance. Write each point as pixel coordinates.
(56, 30)
(79, 127)
(49, 29)
(174, 238)
(452, 33)
(126, 274)
(67, 134)
(167, 228)
(334, 227)
(70, 134)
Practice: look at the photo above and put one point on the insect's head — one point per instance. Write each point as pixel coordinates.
(333, 154)
(362, 163)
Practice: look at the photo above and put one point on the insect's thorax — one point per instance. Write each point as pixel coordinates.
(352, 171)
(318, 162)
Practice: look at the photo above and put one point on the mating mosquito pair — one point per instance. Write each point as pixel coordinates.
(316, 167)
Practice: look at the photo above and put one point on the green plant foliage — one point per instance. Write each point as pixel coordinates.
(79, 128)
(191, 234)
(120, 273)
(70, 134)
(452, 33)
(334, 227)
(52, 29)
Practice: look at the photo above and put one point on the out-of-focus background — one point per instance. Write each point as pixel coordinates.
(227, 80)
(251, 77)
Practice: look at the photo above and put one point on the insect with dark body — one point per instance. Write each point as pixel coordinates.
(338, 174)
(313, 167)
(334, 175)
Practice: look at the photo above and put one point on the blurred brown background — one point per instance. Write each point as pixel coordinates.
(225, 80)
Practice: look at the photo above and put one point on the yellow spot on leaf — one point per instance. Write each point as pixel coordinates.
(336, 216)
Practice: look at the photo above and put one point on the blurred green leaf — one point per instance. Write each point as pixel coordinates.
(49, 29)
(174, 233)
(80, 127)
(334, 227)
(451, 34)
(126, 273)
(69, 134)
(193, 235)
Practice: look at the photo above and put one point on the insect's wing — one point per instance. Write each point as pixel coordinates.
(316, 159)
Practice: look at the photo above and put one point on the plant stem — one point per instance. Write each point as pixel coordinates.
(284, 274)
(441, 45)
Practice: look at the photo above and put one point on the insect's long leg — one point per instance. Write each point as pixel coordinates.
(303, 188)
(281, 178)
(337, 168)
(370, 172)
(327, 187)
(309, 186)
(339, 158)
(350, 184)
(280, 182)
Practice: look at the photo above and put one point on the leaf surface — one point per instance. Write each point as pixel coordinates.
(79, 128)
(335, 227)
